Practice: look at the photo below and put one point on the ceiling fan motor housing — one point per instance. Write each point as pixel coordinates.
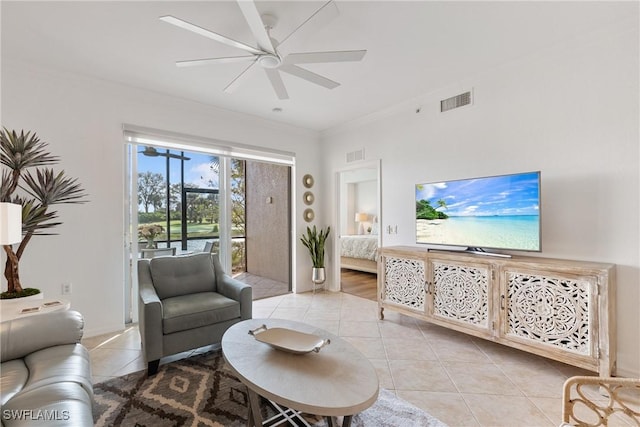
(269, 61)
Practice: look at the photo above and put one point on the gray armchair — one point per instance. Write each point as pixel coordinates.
(186, 302)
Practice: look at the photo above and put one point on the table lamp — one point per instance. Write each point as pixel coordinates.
(360, 218)
(10, 223)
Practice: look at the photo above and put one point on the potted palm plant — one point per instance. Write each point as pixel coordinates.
(27, 181)
(314, 240)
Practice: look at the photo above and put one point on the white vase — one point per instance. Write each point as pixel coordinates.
(318, 275)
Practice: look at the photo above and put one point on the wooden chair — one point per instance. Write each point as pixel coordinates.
(601, 401)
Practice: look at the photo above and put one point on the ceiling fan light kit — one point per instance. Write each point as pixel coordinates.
(267, 53)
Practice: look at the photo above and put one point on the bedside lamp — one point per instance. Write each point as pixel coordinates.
(360, 218)
(10, 223)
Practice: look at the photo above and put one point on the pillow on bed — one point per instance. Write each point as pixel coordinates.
(375, 228)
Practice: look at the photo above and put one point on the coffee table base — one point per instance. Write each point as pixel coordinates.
(284, 415)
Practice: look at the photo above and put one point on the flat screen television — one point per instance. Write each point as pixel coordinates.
(496, 212)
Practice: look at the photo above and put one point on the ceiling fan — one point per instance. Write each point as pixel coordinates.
(269, 53)
(152, 152)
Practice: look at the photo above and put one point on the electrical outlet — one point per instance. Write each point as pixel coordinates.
(66, 288)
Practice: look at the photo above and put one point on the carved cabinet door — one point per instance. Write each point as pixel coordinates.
(550, 310)
(460, 294)
(404, 282)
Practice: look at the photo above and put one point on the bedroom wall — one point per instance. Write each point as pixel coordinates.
(81, 119)
(570, 112)
(359, 195)
(367, 200)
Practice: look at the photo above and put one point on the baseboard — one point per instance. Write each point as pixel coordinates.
(627, 373)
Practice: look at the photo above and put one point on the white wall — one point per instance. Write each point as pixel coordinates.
(82, 119)
(570, 112)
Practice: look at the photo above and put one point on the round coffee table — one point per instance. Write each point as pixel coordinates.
(336, 381)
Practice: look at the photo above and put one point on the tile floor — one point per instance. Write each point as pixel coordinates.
(262, 286)
(462, 380)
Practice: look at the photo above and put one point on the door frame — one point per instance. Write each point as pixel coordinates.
(368, 164)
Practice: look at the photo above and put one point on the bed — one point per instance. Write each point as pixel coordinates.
(359, 252)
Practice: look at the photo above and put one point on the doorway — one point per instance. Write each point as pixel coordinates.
(268, 229)
(358, 219)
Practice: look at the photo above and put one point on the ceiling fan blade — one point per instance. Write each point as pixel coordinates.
(320, 18)
(251, 14)
(309, 76)
(276, 81)
(317, 57)
(209, 34)
(207, 61)
(236, 82)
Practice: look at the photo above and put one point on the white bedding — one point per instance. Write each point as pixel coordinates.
(361, 246)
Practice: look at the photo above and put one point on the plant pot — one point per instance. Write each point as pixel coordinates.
(22, 300)
(318, 275)
(12, 308)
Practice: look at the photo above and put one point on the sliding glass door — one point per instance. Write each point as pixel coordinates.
(186, 201)
(195, 196)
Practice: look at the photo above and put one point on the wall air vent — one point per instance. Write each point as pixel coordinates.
(455, 102)
(355, 156)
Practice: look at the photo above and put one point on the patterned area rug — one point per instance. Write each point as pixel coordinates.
(201, 391)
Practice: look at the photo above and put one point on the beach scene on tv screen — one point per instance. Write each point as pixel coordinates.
(492, 212)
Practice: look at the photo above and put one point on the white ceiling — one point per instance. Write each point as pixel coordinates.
(413, 47)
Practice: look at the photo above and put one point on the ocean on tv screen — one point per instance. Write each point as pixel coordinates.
(500, 212)
(507, 232)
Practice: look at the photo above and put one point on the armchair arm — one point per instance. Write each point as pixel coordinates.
(23, 336)
(238, 291)
(149, 313)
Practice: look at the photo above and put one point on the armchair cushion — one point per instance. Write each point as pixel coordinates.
(182, 275)
(192, 311)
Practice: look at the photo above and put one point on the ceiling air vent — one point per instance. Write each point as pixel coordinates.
(355, 156)
(455, 102)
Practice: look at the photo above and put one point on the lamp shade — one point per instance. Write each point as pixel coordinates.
(361, 217)
(10, 223)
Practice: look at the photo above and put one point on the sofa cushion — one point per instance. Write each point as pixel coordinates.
(61, 363)
(55, 328)
(182, 275)
(196, 310)
(58, 404)
(13, 377)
